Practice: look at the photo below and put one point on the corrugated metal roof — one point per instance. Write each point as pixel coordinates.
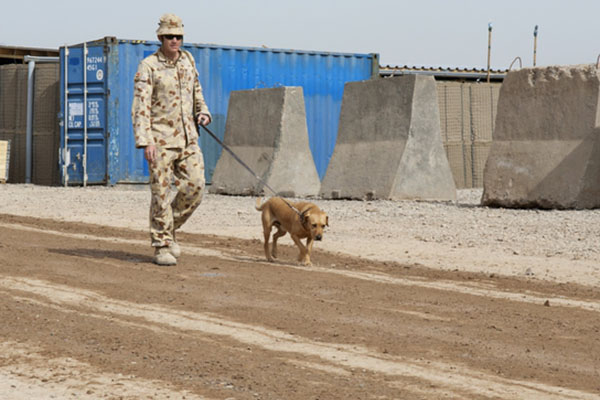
(443, 72)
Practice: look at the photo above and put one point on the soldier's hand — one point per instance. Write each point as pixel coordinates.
(150, 153)
(203, 119)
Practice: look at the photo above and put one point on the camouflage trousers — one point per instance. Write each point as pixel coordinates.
(183, 169)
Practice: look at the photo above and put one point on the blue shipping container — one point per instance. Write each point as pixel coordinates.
(103, 149)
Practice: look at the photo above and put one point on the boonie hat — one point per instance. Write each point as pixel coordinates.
(170, 24)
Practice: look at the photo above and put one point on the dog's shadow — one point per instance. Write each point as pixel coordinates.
(249, 259)
(103, 254)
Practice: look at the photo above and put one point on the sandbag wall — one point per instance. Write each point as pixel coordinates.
(13, 121)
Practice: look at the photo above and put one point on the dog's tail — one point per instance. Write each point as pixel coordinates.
(259, 206)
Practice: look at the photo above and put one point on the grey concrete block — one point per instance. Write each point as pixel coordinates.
(266, 128)
(389, 144)
(546, 150)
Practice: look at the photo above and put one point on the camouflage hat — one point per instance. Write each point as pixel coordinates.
(170, 24)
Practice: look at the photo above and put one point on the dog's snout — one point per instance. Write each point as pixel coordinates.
(318, 237)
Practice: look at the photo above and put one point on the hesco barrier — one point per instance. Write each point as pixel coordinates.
(467, 118)
(110, 155)
(13, 121)
(13, 118)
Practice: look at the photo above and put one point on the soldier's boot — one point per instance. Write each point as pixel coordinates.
(163, 256)
(174, 249)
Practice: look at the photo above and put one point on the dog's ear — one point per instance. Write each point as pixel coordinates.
(303, 216)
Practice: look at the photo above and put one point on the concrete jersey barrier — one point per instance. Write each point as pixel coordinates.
(266, 128)
(546, 150)
(389, 144)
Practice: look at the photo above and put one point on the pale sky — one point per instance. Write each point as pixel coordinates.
(416, 33)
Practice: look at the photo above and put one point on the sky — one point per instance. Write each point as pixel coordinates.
(431, 33)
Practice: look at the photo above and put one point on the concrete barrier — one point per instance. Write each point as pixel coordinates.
(389, 144)
(546, 149)
(266, 128)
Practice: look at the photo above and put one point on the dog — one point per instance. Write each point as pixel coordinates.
(301, 220)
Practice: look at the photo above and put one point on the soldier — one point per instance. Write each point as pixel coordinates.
(167, 107)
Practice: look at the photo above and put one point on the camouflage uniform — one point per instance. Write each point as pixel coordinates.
(167, 99)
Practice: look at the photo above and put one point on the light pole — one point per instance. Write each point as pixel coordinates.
(489, 50)
(535, 33)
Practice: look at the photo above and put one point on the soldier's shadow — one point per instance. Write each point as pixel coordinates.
(98, 254)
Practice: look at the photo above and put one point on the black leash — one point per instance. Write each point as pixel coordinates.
(224, 146)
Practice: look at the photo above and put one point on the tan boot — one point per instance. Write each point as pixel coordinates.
(174, 249)
(162, 256)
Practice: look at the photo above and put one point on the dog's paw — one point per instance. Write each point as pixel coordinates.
(305, 261)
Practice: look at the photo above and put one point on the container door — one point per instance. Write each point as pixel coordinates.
(83, 105)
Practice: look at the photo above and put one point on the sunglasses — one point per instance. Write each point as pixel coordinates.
(171, 37)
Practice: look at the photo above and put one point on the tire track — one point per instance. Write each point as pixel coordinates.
(26, 374)
(474, 289)
(335, 357)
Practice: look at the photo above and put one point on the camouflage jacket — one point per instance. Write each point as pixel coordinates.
(167, 97)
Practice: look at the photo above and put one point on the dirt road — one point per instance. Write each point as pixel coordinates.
(86, 315)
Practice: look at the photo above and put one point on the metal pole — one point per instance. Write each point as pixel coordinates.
(85, 133)
(535, 34)
(29, 137)
(31, 60)
(489, 50)
(65, 153)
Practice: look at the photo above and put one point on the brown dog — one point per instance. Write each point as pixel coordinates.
(301, 220)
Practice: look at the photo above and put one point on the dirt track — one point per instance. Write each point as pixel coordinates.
(406, 301)
(87, 316)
